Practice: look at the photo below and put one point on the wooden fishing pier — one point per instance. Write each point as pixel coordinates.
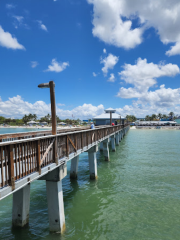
(25, 157)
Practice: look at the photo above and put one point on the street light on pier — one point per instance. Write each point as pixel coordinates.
(51, 85)
(120, 119)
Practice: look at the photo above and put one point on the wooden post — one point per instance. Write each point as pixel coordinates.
(54, 122)
(81, 140)
(87, 138)
(67, 146)
(2, 166)
(38, 155)
(75, 140)
(11, 167)
(53, 107)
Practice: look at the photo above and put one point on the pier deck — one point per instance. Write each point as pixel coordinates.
(26, 157)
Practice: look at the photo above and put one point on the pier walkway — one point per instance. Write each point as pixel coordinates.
(25, 157)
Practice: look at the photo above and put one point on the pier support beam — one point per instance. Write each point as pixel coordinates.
(55, 198)
(101, 146)
(120, 135)
(74, 167)
(106, 149)
(93, 162)
(20, 210)
(117, 139)
(55, 206)
(113, 143)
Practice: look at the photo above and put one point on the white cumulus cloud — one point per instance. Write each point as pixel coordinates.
(109, 62)
(16, 107)
(94, 74)
(8, 41)
(42, 26)
(109, 26)
(57, 66)
(111, 78)
(112, 21)
(34, 64)
(143, 75)
(10, 6)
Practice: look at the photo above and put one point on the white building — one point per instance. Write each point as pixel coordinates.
(104, 119)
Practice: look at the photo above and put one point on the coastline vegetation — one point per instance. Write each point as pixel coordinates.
(154, 117)
(33, 117)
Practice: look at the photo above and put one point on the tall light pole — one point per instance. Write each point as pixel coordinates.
(120, 120)
(110, 118)
(51, 85)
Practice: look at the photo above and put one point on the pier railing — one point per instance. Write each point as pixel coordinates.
(20, 158)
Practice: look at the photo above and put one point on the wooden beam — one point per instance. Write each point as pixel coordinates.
(46, 152)
(71, 143)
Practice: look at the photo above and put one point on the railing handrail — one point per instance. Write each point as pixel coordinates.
(52, 136)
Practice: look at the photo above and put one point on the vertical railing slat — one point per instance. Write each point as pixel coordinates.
(38, 156)
(11, 167)
(2, 166)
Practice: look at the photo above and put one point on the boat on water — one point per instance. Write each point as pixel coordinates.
(158, 127)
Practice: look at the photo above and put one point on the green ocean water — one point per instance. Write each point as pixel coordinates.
(136, 196)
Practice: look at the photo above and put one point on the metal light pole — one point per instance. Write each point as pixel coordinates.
(120, 120)
(110, 118)
(51, 85)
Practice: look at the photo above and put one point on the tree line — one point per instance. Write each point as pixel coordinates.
(159, 116)
(153, 117)
(33, 117)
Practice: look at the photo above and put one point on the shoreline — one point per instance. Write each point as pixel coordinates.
(34, 127)
(155, 127)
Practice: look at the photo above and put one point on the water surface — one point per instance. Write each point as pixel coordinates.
(136, 196)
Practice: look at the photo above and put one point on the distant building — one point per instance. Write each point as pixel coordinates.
(104, 119)
(155, 123)
(43, 123)
(86, 121)
(167, 119)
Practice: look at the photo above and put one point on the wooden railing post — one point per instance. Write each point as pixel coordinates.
(11, 167)
(55, 154)
(67, 146)
(82, 141)
(87, 135)
(38, 155)
(75, 141)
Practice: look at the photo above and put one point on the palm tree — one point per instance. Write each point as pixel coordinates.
(159, 115)
(30, 116)
(34, 117)
(164, 116)
(147, 118)
(171, 114)
(153, 117)
(25, 119)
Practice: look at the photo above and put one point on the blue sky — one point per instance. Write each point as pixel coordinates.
(100, 54)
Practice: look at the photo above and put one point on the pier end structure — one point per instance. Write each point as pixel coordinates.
(55, 198)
